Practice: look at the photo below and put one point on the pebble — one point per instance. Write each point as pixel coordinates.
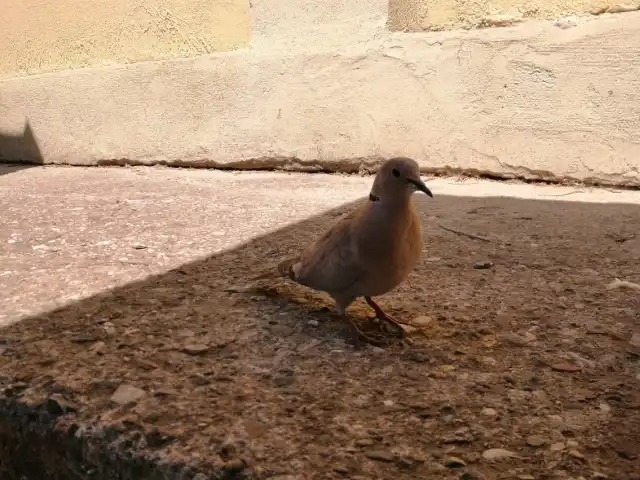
(497, 454)
(572, 444)
(195, 348)
(364, 442)
(635, 340)
(556, 420)
(526, 476)
(235, 465)
(125, 394)
(98, 348)
(489, 412)
(557, 447)
(380, 455)
(483, 265)
(313, 323)
(283, 381)
(576, 454)
(422, 321)
(514, 339)
(109, 329)
(535, 441)
(472, 475)
(454, 462)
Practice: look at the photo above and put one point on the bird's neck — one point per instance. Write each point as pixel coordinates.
(396, 208)
(382, 202)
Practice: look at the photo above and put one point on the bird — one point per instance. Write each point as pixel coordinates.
(369, 251)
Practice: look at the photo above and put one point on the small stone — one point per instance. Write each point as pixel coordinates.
(514, 339)
(565, 367)
(526, 476)
(195, 348)
(138, 246)
(109, 329)
(84, 338)
(341, 469)
(535, 441)
(446, 368)
(489, 412)
(380, 455)
(422, 321)
(556, 420)
(98, 348)
(572, 444)
(409, 329)
(576, 454)
(557, 447)
(454, 462)
(635, 340)
(483, 265)
(283, 380)
(313, 323)
(494, 454)
(235, 465)
(200, 380)
(364, 442)
(388, 403)
(600, 475)
(127, 394)
(472, 475)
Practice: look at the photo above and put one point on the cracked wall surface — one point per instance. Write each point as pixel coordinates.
(43, 35)
(435, 15)
(326, 85)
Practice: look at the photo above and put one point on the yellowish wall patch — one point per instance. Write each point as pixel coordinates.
(47, 35)
(419, 15)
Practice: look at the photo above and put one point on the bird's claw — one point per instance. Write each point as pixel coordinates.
(376, 340)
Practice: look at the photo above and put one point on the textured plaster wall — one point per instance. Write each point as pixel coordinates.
(47, 35)
(434, 15)
(325, 84)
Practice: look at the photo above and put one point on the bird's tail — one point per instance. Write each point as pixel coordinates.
(283, 269)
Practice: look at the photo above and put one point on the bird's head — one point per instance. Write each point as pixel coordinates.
(398, 178)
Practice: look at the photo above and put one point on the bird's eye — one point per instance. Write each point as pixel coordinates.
(395, 172)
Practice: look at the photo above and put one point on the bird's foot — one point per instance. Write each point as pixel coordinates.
(377, 340)
(382, 316)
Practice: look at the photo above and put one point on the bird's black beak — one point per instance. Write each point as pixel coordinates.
(420, 186)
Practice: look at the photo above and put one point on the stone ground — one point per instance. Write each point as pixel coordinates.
(119, 331)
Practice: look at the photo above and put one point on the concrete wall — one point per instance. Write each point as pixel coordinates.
(435, 15)
(39, 36)
(329, 84)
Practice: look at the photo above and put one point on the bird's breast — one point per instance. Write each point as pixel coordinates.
(392, 253)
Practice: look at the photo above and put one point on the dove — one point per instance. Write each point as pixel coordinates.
(368, 252)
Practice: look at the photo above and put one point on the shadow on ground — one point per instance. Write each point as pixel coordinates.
(530, 354)
(19, 151)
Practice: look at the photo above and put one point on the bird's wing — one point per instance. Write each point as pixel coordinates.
(331, 263)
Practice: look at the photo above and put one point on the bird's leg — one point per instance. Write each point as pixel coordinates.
(383, 316)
